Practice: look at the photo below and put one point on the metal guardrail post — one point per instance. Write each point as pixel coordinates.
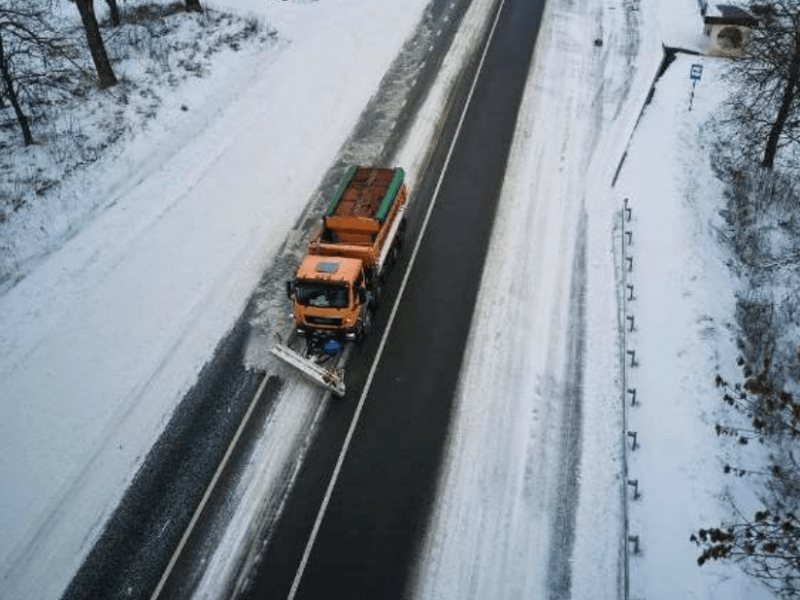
(632, 392)
(625, 216)
(634, 539)
(634, 483)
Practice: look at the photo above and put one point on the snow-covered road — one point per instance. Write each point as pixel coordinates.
(535, 383)
(100, 340)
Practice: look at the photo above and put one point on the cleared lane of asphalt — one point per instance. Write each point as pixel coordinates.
(376, 511)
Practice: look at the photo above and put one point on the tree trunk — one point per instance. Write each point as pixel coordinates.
(104, 71)
(11, 94)
(193, 6)
(114, 11)
(785, 109)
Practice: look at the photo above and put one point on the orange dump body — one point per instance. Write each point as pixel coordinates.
(359, 217)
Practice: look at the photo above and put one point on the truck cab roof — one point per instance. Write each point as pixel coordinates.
(331, 269)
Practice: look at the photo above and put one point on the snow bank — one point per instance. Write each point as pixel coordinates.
(101, 340)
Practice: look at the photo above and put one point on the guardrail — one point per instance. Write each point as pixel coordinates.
(630, 437)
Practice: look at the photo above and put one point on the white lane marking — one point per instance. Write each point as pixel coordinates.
(175, 555)
(329, 492)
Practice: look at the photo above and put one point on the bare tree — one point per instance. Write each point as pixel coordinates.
(767, 545)
(10, 92)
(113, 10)
(31, 59)
(768, 76)
(102, 64)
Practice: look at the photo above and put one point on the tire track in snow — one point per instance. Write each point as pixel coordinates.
(562, 536)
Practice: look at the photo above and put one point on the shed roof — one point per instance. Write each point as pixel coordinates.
(727, 14)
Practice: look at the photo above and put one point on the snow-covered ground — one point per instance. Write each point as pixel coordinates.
(99, 341)
(683, 336)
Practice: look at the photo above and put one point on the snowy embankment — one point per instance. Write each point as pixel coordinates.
(102, 338)
(683, 333)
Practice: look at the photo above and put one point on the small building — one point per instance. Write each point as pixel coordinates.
(728, 29)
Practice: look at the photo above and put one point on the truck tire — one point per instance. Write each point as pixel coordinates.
(401, 236)
(397, 246)
(394, 254)
(366, 324)
(377, 294)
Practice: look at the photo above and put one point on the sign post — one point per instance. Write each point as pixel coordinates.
(696, 73)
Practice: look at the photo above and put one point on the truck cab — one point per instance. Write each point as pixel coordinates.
(329, 298)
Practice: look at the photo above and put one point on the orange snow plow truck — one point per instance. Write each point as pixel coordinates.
(338, 284)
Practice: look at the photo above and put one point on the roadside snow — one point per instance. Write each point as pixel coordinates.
(100, 341)
(683, 337)
(92, 150)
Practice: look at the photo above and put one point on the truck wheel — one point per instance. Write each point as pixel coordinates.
(394, 253)
(401, 237)
(377, 294)
(366, 324)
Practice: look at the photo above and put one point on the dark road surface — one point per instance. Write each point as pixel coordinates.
(376, 514)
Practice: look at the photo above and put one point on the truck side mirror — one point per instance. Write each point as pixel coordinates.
(362, 295)
(289, 289)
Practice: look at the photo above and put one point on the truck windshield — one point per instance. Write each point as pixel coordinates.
(314, 293)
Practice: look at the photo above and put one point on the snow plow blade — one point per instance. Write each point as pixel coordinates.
(327, 378)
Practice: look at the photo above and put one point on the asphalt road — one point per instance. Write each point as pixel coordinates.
(140, 538)
(376, 513)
